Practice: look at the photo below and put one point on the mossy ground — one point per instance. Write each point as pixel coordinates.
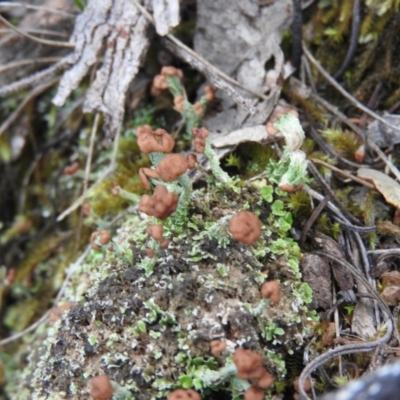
(148, 323)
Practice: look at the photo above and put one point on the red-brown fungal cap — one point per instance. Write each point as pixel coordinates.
(57, 312)
(200, 133)
(307, 384)
(161, 204)
(169, 169)
(181, 394)
(71, 169)
(192, 160)
(155, 231)
(10, 277)
(171, 71)
(277, 112)
(164, 243)
(271, 130)
(252, 393)
(178, 103)
(271, 290)
(102, 236)
(150, 141)
(115, 190)
(101, 388)
(198, 108)
(172, 167)
(160, 83)
(217, 346)
(289, 188)
(150, 253)
(248, 363)
(265, 381)
(209, 93)
(199, 139)
(245, 227)
(359, 155)
(144, 129)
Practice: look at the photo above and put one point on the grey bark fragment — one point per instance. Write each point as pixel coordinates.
(122, 28)
(381, 134)
(166, 15)
(316, 272)
(126, 47)
(256, 133)
(217, 82)
(362, 323)
(90, 30)
(363, 320)
(239, 39)
(343, 277)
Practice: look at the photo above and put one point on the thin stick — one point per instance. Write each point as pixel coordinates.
(340, 217)
(343, 173)
(35, 39)
(385, 252)
(31, 61)
(198, 57)
(321, 142)
(396, 311)
(78, 202)
(39, 31)
(25, 183)
(315, 214)
(385, 159)
(313, 169)
(337, 326)
(307, 69)
(14, 4)
(32, 94)
(355, 30)
(343, 92)
(320, 197)
(334, 110)
(34, 79)
(87, 173)
(90, 154)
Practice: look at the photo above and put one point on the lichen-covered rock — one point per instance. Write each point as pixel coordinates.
(149, 323)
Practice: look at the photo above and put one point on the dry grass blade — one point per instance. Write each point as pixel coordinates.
(343, 92)
(335, 111)
(15, 114)
(9, 4)
(39, 31)
(35, 39)
(343, 173)
(20, 63)
(34, 79)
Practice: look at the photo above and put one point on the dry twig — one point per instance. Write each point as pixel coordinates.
(9, 4)
(36, 39)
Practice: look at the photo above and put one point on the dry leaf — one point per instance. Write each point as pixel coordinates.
(387, 186)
